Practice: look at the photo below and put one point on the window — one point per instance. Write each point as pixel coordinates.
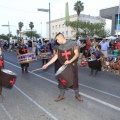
(53, 27)
(59, 26)
(63, 25)
(56, 26)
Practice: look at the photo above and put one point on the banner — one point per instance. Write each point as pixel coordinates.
(67, 17)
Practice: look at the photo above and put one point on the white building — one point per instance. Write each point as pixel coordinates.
(58, 25)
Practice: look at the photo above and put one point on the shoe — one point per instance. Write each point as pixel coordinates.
(59, 98)
(78, 97)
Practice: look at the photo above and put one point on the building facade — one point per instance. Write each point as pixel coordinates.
(112, 14)
(59, 26)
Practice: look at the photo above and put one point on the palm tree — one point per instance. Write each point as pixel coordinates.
(31, 25)
(20, 25)
(78, 7)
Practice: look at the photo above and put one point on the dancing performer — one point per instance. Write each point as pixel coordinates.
(22, 49)
(94, 61)
(1, 67)
(67, 54)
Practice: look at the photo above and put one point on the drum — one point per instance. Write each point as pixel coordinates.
(93, 63)
(7, 78)
(45, 55)
(65, 75)
(26, 58)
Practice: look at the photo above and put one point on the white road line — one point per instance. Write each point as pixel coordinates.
(100, 91)
(54, 118)
(100, 101)
(10, 117)
(38, 105)
(90, 97)
(92, 88)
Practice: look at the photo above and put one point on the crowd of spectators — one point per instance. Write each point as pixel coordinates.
(110, 53)
(109, 49)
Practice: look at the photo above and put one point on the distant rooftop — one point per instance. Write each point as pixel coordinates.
(75, 15)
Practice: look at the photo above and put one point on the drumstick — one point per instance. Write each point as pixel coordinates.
(36, 70)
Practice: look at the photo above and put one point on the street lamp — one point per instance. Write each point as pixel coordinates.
(47, 10)
(8, 29)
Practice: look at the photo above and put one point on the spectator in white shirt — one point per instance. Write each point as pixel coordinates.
(104, 47)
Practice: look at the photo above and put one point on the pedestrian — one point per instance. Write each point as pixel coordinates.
(1, 67)
(94, 61)
(22, 49)
(67, 54)
(104, 47)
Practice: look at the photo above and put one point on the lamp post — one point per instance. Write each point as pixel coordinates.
(8, 29)
(47, 10)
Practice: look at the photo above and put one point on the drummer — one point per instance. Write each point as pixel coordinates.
(45, 49)
(22, 49)
(95, 65)
(1, 67)
(67, 53)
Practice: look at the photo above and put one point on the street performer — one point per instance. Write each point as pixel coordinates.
(67, 54)
(22, 49)
(1, 67)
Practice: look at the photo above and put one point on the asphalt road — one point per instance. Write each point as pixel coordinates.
(33, 95)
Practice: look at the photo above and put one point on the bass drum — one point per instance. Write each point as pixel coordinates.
(65, 75)
(7, 78)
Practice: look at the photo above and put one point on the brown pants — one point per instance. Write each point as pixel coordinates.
(0, 89)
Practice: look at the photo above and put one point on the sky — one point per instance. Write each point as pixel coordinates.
(25, 11)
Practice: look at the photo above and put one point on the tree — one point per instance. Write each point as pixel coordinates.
(4, 37)
(78, 7)
(88, 29)
(34, 34)
(31, 25)
(20, 25)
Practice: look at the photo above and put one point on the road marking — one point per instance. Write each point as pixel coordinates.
(100, 91)
(10, 117)
(92, 88)
(85, 95)
(38, 105)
